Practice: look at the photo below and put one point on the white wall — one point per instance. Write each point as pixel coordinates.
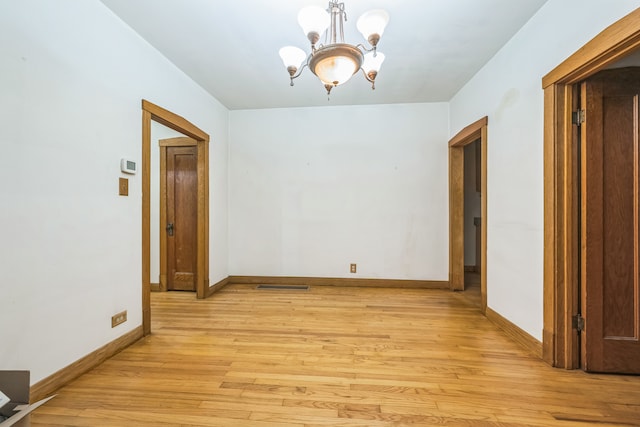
(72, 76)
(508, 91)
(315, 189)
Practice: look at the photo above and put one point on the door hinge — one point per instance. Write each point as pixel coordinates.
(578, 322)
(577, 117)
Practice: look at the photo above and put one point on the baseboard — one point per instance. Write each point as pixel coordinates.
(517, 334)
(64, 376)
(328, 281)
(217, 286)
(155, 287)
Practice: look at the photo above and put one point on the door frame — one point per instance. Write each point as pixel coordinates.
(471, 133)
(560, 346)
(180, 141)
(158, 114)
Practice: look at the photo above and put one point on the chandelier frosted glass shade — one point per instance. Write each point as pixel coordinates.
(335, 61)
(292, 57)
(372, 24)
(373, 61)
(314, 21)
(335, 64)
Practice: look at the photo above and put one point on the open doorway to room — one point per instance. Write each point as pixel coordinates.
(472, 215)
(163, 229)
(574, 183)
(159, 130)
(468, 146)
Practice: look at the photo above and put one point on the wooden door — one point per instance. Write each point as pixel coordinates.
(181, 228)
(610, 267)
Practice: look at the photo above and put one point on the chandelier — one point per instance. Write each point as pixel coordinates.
(335, 61)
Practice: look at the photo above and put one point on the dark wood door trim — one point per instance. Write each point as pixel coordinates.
(471, 133)
(180, 141)
(560, 346)
(173, 121)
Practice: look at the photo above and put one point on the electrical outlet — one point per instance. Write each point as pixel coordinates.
(119, 318)
(352, 268)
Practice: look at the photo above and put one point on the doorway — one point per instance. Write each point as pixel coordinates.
(561, 344)
(474, 133)
(472, 214)
(153, 113)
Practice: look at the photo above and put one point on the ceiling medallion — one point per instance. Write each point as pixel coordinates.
(335, 61)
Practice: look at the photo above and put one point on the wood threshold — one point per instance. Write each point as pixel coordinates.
(338, 281)
(560, 345)
(64, 376)
(524, 339)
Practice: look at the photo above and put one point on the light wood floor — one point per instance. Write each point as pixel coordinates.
(334, 357)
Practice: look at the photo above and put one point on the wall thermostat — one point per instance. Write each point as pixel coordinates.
(128, 166)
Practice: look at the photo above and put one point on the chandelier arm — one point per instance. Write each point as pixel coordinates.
(370, 80)
(297, 74)
(365, 75)
(363, 47)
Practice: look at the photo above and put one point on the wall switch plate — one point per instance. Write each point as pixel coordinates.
(352, 268)
(119, 318)
(123, 186)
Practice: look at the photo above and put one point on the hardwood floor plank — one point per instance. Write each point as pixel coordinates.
(334, 356)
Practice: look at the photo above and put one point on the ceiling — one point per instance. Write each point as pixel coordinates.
(230, 47)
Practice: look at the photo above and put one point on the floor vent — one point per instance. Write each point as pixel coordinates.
(284, 287)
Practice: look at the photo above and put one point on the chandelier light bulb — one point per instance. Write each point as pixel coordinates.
(314, 21)
(372, 24)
